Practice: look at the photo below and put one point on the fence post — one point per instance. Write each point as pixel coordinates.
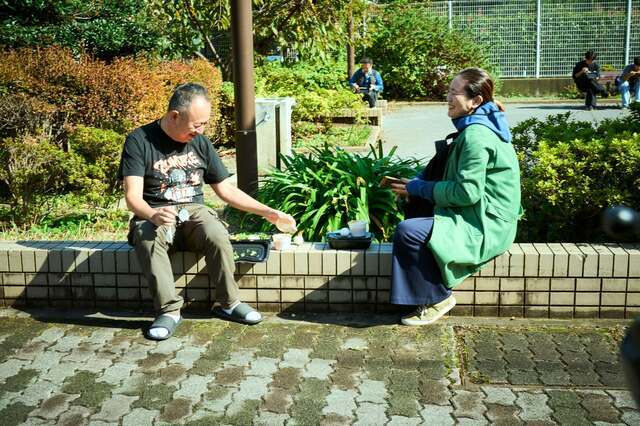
(538, 35)
(451, 13)
(627, 35)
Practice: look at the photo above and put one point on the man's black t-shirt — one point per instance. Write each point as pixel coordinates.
(173, 172)
(594, 68)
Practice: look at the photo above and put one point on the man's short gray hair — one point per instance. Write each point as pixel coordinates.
(184, 94)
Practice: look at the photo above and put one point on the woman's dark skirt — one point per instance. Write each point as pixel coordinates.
(415, 276)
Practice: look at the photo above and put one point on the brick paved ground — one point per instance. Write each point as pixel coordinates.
(290, 372)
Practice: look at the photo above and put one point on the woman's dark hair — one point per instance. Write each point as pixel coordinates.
(590, 54)
(479, 83)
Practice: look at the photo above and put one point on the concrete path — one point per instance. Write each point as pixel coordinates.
(413, 127)
(311, 370)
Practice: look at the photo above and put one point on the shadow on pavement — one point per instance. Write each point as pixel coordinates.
(565, 107)
(91, 318)
(344, 319)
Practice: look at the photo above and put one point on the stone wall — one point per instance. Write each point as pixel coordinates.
(530, 280)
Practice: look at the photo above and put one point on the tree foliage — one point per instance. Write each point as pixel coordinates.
(310, 27)
(417, 54)
(105, 28)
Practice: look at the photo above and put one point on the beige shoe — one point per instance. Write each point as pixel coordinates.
(427, 314)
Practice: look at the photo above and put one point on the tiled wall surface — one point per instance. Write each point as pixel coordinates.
(531, 280)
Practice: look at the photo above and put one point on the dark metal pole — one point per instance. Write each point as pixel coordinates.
(246, 143)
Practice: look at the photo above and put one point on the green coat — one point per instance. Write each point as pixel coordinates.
(477, 204)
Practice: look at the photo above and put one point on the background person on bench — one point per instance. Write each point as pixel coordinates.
(367, 81)
(585, 75)
(629, 81)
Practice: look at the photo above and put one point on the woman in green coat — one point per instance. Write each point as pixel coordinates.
(476, 205)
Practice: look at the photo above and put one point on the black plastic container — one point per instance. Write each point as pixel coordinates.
(338, 242)
(251, 251)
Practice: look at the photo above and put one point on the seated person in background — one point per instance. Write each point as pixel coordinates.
(586, 74)
(367, 81)
(629, 81)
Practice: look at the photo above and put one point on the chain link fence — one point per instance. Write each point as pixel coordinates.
(545, 38)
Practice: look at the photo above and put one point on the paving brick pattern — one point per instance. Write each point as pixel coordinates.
(284, 372)
(543, 357)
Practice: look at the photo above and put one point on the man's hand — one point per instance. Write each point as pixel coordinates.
(281, 219)
(163, 216)
(355, 88)
(372, 87)
(400, 189)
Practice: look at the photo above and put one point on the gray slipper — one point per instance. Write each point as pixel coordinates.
(163, 321)
(239, 314)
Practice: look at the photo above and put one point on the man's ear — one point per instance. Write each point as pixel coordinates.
(173, 114)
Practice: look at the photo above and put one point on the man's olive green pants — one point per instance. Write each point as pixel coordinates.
(202, 233)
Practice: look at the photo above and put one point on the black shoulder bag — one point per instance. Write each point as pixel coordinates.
(421, 207)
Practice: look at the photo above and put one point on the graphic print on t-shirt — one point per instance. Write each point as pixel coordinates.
(179, 176)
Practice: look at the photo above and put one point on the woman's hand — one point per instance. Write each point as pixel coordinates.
(400, 189)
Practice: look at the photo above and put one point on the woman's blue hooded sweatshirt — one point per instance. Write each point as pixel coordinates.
(488, 115)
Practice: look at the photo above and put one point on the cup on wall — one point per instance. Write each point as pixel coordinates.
(281, 241)
(358, 228)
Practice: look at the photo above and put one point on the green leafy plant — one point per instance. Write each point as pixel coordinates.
(329, 187)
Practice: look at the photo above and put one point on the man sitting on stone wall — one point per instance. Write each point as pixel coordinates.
(163, 167)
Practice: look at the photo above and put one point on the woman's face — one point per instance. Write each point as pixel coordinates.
(457, 100)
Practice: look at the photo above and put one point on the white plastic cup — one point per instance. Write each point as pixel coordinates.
(358, 228)
(281, 241)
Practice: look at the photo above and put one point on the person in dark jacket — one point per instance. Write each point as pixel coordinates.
(586, 74)
(367, 82)
(476, 205)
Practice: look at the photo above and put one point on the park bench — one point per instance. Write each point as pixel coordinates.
(372, 115)
(607, 79)
(530, 280)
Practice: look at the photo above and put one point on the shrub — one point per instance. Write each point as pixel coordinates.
(416, 53)
(571, 171)
(119, 95)
(319, 88)
(34, 170)
(20, 114)
(327, 188)
(99, 150)
(39, 173)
